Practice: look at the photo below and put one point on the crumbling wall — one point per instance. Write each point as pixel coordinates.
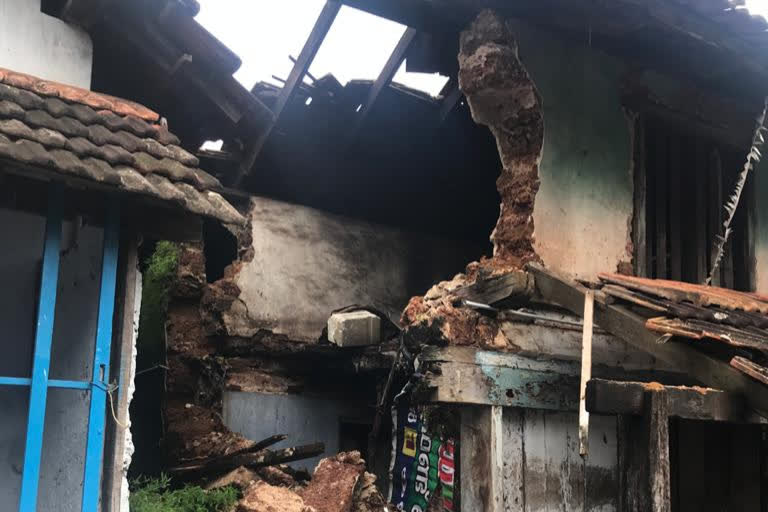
(566, 182)
(502, 96)
(305, 263)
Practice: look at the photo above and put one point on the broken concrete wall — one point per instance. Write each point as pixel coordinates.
(305, 263)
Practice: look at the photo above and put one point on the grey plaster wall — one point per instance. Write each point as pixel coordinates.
(583, 209)
(35, 43)
(308, 263)
(72, 352)
(305, 419)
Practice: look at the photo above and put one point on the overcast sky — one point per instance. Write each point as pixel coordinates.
(265, 32)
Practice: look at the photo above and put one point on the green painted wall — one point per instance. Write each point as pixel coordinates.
(583, 210)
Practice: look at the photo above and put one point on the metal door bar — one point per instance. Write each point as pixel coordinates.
(42, 355)
(97, 417)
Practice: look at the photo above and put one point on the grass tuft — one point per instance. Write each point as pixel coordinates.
(155, 495)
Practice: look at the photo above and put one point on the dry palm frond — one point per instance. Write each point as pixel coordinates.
(753, 158)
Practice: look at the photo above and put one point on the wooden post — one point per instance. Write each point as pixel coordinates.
(586, 370)
(644, 472)
(656, 423)
(482, 462)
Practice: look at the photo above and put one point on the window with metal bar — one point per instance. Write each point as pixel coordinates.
(687, 179)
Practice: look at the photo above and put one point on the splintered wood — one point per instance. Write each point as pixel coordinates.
(586, 370)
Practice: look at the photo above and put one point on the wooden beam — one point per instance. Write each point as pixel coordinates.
(757, 372)
(628, 398)
(656, 422)
(643, 458)
(630, 327)
(301, 67)
(450, 101)
(384, 79)
(642, 249)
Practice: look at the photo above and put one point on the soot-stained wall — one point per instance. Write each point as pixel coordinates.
(583, 209)
(66, 420)
(761, 238)
(307, 263)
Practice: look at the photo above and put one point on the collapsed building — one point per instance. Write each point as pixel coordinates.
(593, 144)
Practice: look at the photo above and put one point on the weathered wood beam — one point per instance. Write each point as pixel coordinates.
(630, 327)
(482, 460)
(643, 456)
(754, 370)
(301, 67)
(450, 101)
(628, 398)
(384, 79)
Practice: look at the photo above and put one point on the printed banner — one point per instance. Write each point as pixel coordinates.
(422, 464)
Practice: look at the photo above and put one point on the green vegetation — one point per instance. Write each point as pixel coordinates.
(155, 495)
(158, 277)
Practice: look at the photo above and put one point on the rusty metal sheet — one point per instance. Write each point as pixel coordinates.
(698, 295)
(698, 329)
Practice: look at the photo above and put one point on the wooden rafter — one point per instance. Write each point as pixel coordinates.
(627, 325)
(300, 69)
(384, 79)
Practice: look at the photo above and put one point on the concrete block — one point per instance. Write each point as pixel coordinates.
(354, 329)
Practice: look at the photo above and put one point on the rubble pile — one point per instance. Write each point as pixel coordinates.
(339, 484)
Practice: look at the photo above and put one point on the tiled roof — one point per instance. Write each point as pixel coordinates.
(79, 133)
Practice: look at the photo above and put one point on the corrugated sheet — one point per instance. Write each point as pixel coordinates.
(61, 129)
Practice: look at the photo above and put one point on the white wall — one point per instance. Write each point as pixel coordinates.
(35, 43)
(308, 263)
(72, 354)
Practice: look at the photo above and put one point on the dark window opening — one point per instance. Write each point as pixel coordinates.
(688, 178)
(353, 435)
(220, 249)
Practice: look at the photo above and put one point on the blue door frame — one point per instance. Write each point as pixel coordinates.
(39, 383)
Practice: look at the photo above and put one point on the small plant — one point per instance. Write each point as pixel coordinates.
(155, 495)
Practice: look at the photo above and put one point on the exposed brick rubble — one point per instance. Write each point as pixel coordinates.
(503, 97)
(195, 429)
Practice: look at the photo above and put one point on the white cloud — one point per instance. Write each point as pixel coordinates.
(264, 33)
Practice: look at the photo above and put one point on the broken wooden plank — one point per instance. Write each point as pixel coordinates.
(696, 294)
(754, 370)
(696, 403)
(300, 68)
(701, 329)
(630, 327)
(516, 284)
(251, 460)
(586, 371)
